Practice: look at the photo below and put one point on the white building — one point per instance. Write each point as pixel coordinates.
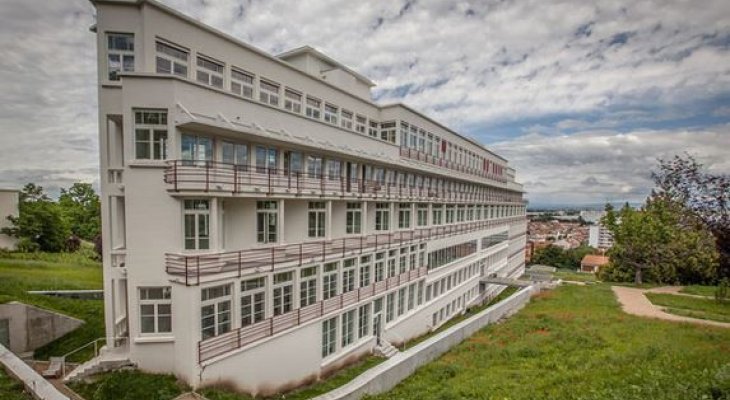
(8, 208)
(599, 237)
(265, 222)
(592, 216)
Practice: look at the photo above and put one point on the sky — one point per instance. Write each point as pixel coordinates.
(581, 97)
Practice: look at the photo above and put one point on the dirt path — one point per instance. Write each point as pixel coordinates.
(676, 291)
(634, 302)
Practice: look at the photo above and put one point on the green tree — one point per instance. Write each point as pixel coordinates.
(40, 224)
(81, 207)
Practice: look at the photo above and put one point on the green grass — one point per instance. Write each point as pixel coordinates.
(576, 343)
(11, 389)
(575, 276)
(22, 272)
(130, 385)
(692, 306)
(700, 290)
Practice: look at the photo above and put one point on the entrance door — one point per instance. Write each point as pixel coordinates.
(5, 333)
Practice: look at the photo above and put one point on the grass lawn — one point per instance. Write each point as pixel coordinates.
(575, 276)
(692, 306)
(130, 385)
(575, 343)
(700, 290)
(22, 272)
(11, 389)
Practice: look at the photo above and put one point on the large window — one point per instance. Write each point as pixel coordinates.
(364, 314)
(404, 215)
(266, 221)
(364, 271)
(171, 60)
(379, 273)
(253, 301)
(197, 224)
(209, 72)
(401, 301)
(314, 166)
(242, 83)
(120, 54)
(422, 214)
(329, 280)
(382, 216)
(196, 149)
(353, 218)
(437, 211)
(266, 159)
(330, 114)
(293, 163)
(348, 328)
(307, 286)
(329, 336)
(390, 307)
(450, 214)
(215, 311)
(293, 101)
(334, 170)
(316, 219)
(282, 292)
(348, 275)
(150, 134)
(269, 93)
(235, 153)
(314, 108)
(155, 309)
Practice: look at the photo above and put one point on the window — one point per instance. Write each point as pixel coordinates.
(215, 311)
(347, 119)
(242, 83)
(314, 166)
(282, 293)
(460, 213)
(316, 219)
(422, 215)
(449, 214)
(387, 131)
(120, 54)
(364, 271)
(391, 267)
(293, 162)
(404, 134)
(360, 124)
(390, 307)
(150, 134)
(209, 72)
(329, 336)
(373, 130)
(348, 275)
(197, 224)
(404, 215)
(307, 286)
(329, 280)
(314, 108)
(348, 328)
(253, 301)
(363, 326)
(196, 149)
(382, 216)
(436, 214)
(266, 159)
(269, 92)
(235, 153)
(379, 270)
(155, 309)
(411, 296)
(330, 114)
(401, 301)
(266, 221)
(171, 60)
(334, 170)
(353, 218)
(293, 101)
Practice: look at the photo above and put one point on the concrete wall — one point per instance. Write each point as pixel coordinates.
(8, 207)
(32, 327)
(387, 375)
(34, 383)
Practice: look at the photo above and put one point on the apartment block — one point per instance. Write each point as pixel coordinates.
(265, 222)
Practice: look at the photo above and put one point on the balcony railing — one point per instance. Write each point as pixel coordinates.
(213, 176)
(193, 267)
(243, 336)
(440, 162)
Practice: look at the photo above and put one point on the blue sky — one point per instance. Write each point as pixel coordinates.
(581, 97)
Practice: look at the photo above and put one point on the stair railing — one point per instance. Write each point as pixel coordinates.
(94, 343)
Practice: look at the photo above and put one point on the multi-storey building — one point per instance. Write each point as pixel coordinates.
(264, 221)
(600, 237)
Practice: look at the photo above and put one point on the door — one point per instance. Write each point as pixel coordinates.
(5, 332)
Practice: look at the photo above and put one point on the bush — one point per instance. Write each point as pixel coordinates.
(722, 293)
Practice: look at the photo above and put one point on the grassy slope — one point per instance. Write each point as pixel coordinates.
(11, 389)
(700, 290)
(20, 273)
(575, 276)
(692, 306)
(575, 343)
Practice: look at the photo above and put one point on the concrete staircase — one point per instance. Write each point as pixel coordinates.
(385, 349)
(107, 360)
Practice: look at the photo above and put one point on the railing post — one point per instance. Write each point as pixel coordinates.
(197, 263)
(239, 264)
(269, 178)
(174, 173)
(323, 250)
(300, 253)
(207, 176)
(186, 271)
(272, 258)
(235, 178)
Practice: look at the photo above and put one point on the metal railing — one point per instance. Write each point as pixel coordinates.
(214, 176)
(194, 266)
(237, 338)
(97, 347)
(440, 162)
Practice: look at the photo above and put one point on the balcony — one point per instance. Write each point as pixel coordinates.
(237, 338)
(234, 264)
(440, 162)
(217, 177)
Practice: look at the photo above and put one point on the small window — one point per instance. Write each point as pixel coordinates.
(120, 54)
(293, 101)
(209, 72)
(360, 124)
(269, 93)
(150, 134)
(347, 119)
(373, 130)
(171, 60)
(155, 309)
(330, 114)
(316, 220)
(242, 83)
(314, 108)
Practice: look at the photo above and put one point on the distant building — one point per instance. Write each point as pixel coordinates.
(599, 237)
(592, 216)
(8, 207)
(593, 262)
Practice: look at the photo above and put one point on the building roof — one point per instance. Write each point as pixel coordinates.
(318, 54)
(594, 260)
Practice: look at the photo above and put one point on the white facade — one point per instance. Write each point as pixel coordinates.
(599, 237)
(265, 222)
(8, 208)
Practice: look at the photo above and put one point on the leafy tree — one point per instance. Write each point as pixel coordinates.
(705, 195)
(40, 224)
(80, 205)
(555, 256)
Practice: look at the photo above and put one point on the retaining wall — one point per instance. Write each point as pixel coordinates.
(33, 382)
(385, 376)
